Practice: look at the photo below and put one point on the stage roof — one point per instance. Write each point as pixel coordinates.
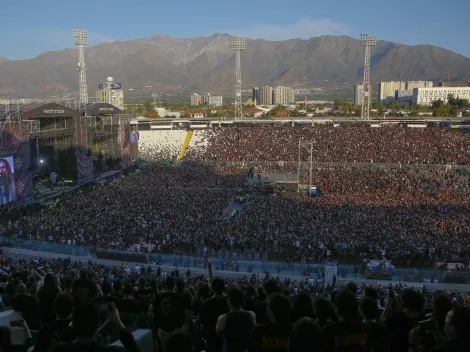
(97, 109)
(40, 110)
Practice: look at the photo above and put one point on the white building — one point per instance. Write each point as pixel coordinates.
(163, 112)
(266, 96)
(387, 90)
(426, 96)
(283, 95)
(418, 84)
(216, 100)
(112, 93)
(195, 99)
(359, 93)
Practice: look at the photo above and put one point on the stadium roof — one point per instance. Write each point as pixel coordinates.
(97, 109)
(38, 110)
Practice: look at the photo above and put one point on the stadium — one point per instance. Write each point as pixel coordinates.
(310, 203)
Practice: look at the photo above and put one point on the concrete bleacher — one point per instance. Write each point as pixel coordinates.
(161, 144)
(199, 139)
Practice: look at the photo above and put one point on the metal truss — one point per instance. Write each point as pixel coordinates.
(305, 167)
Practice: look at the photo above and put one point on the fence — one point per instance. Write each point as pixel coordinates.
(247, 266)
(293, 165)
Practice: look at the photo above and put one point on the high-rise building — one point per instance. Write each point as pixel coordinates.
(255, 95)
(112, 93)
(196, 99)
(206, 99)
(215, 100)
(290, 95)
(266, 95)
(419, 84)
(387, 90)
(359, 93)
(283, 95)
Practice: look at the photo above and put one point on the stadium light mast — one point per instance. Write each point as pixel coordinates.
(80, 38)
(367, 41)
(238, 45)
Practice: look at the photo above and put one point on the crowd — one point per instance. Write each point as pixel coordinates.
(75, 306)
(409, 216)
(337, 144)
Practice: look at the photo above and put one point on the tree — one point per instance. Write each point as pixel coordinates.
(437, 103)
(148, 106)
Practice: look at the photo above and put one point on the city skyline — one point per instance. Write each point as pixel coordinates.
(302, 21)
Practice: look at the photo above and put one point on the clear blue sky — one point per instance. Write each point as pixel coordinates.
(30, 27)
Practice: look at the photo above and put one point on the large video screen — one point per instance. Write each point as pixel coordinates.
(7, 180)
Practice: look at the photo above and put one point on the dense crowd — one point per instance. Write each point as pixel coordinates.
(338, 144)
(410, 216)
(75, 306)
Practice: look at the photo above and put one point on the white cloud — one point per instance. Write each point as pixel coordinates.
(304, 28)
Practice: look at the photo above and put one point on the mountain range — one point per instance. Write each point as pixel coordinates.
(207, 64)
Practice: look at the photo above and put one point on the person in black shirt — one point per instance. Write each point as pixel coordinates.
(83, 288)
(59, 330)
(28, 306)
(380, 334)
(457, 328)
(302, 307)
(323, 311)
(86, 322)
(273, 336)
(349, 334)
(305, 336)
(170, 311)
(236, 325)
(211, 310)
(401, 321)
(129, 304)
(179, 341)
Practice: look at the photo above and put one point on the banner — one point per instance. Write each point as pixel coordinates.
(84, 154)
(17, 186)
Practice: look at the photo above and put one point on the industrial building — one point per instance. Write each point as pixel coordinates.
(359, 93)
(426, 96)
(111, 92)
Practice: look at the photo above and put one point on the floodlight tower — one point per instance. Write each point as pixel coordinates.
(238, 45)
(80, 38)
(367, 41)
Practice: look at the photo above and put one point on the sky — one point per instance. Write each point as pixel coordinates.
(35, 26)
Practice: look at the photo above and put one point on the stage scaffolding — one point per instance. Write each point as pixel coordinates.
(106, 136)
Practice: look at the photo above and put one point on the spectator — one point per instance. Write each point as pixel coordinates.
(273, 336)
(211, 310)
(236, 325)
(28, 306)
(402, 316)
(305, 336)
(170, 311)
(302, 307)
(179, 341)
(349, 333)
(46, 295)
(59, 330)
(380, 334)
(457, 327)
(86, 322)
